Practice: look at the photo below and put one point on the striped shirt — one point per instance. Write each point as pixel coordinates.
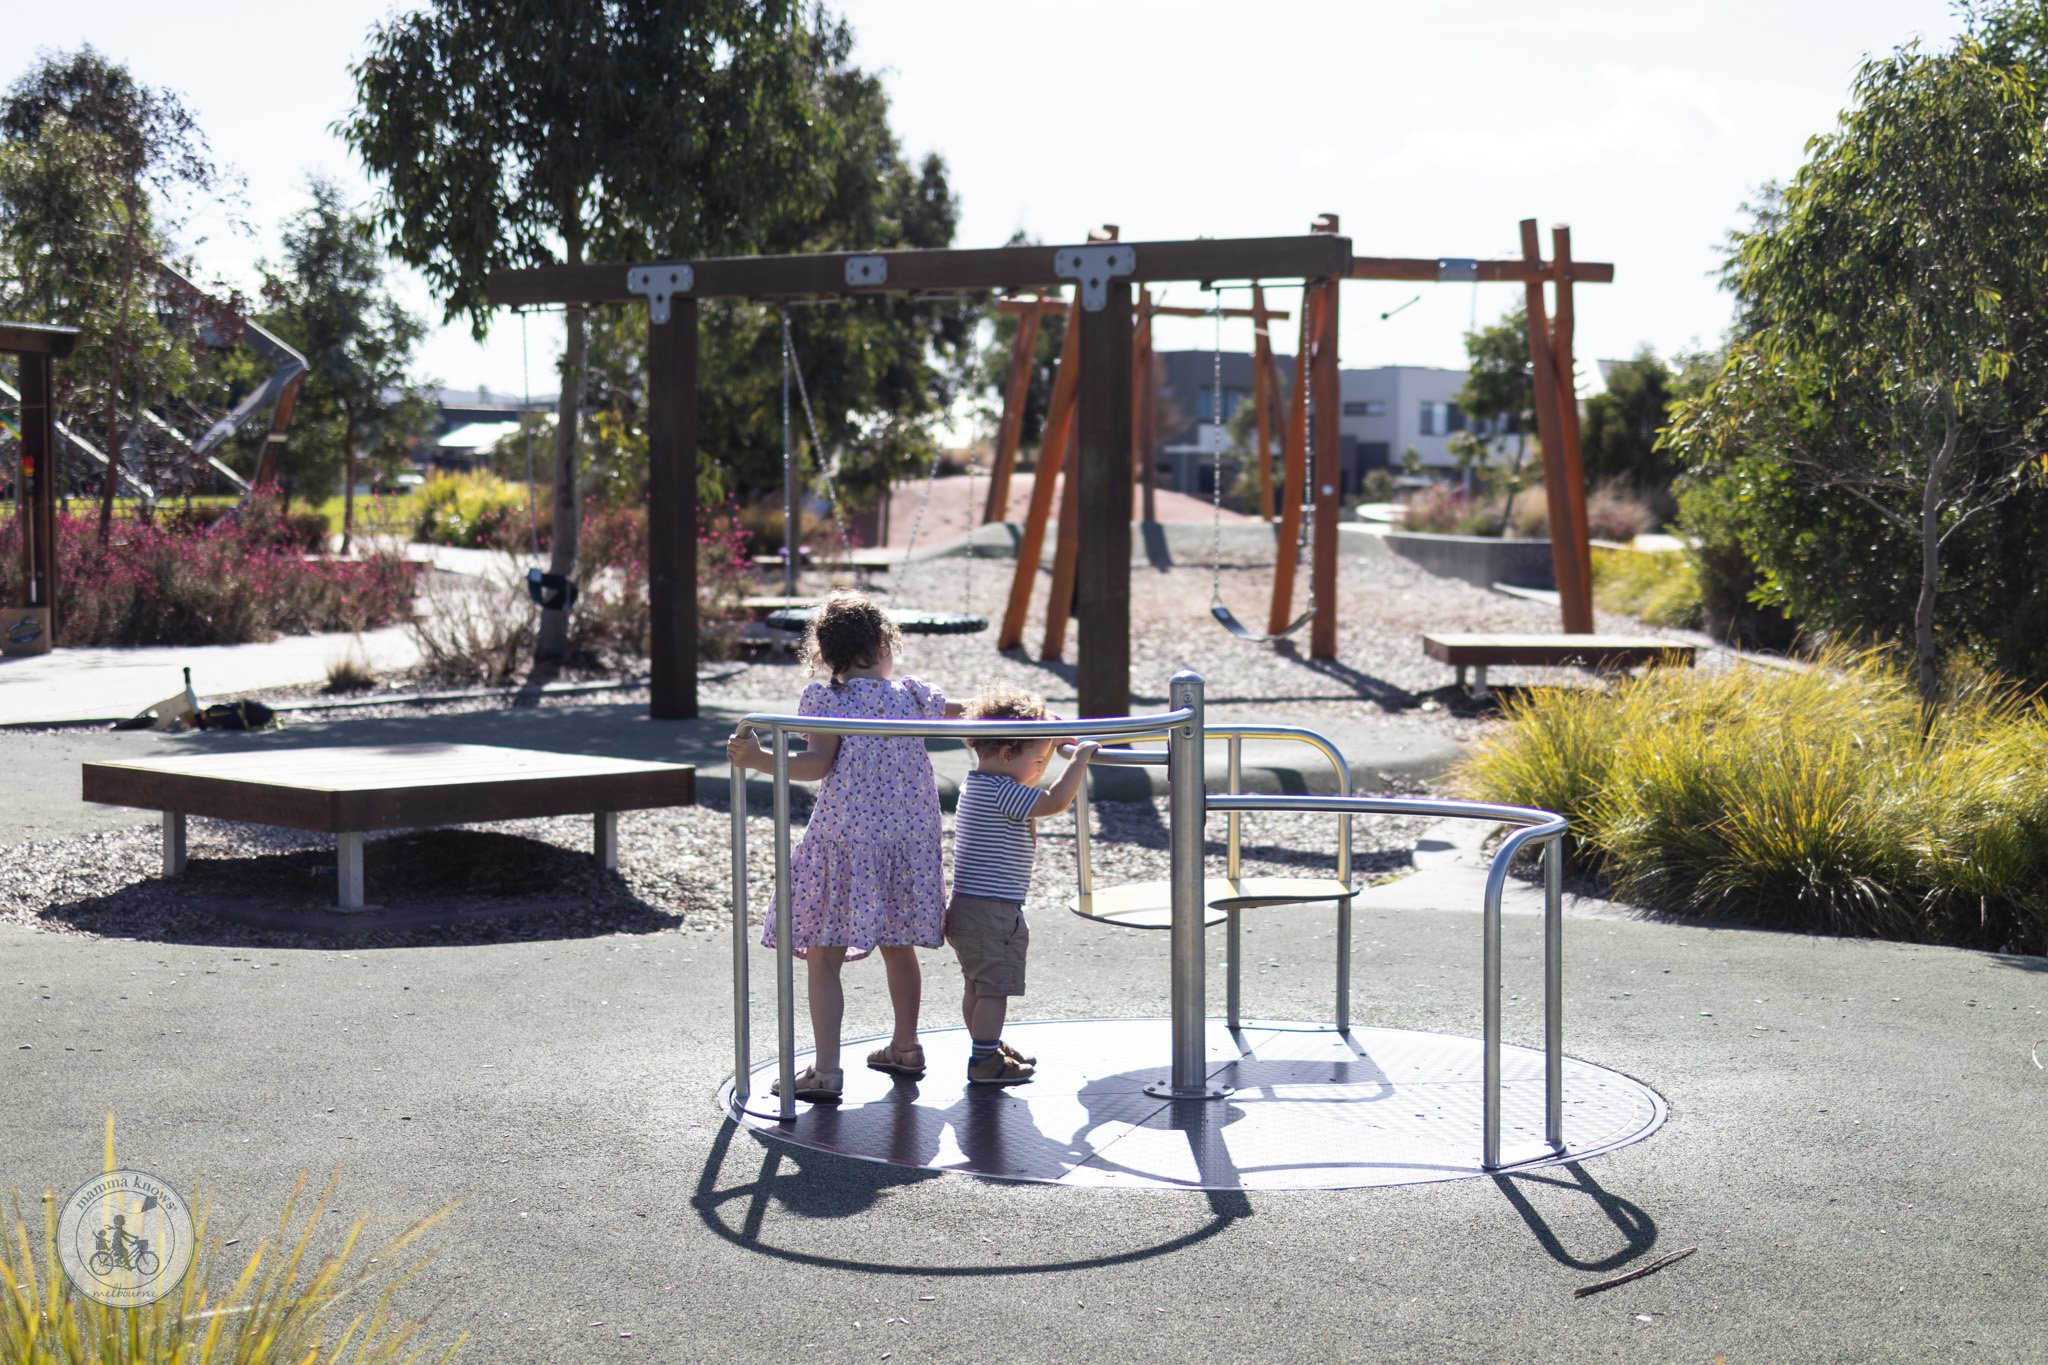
(993, 838)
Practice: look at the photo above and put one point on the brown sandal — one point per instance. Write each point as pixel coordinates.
(812, 1085)
(1015, 1055)
(898, 1061)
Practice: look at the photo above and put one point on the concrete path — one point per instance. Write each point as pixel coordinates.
(68, 685)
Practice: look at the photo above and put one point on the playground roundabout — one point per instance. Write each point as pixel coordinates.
(1308, 1108)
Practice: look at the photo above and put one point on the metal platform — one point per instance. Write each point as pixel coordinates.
(1311, 1109)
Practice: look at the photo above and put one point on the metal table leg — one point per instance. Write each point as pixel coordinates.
(605, 843)
(348, 882)
(174, 843)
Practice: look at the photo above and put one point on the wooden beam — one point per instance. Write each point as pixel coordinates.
(1059, 598)
(1052, 448)
(672, 513)
(1329, 474)
(1561, 330)
(1281, 613)
(1016, 393)
(1571, 592)
(34, 338)
(1142, 463)
(1488, 272)
(1031, 307)
(1315, 256)
(1262, 399)
(1165, 310)
(1105, 479)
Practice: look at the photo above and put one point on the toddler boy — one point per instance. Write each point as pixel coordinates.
(994, 840)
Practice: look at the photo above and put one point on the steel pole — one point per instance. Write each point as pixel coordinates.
(1553, 993)
(1489, 1009)
(742, 991)
(785, 970)
(1186, 806)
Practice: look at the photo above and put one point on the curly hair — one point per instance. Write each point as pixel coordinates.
(849, 631)
(997, 702)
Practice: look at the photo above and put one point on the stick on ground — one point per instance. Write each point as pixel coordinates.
(1636, 1274)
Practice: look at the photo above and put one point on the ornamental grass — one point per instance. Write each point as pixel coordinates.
(1823, 800)
(287, 1302)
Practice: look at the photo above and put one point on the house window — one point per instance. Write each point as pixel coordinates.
(1375, 407)
(1454, 417)
(1429, 419)
(1356, 409)
(1232, 398)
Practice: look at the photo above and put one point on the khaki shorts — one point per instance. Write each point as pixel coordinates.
(991, 939)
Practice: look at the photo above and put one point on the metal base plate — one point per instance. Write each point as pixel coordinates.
(1311, 1109)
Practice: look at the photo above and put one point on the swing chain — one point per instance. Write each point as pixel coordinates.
(825, 466)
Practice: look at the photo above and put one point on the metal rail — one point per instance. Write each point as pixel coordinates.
(1188, 805)
(1180, 725)
(1534, 827)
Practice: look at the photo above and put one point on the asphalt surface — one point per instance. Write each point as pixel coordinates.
(1854, 1144)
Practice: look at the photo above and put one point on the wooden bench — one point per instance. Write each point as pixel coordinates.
(1477, 652)
(347, 791)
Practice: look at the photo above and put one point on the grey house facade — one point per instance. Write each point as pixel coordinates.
(1386, 411)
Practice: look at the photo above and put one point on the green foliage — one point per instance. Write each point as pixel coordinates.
(1620, 428)
(1499, 393)
(1875, 428)
(1661, 588)
(285, 1305)
(329, 299)
(1805, 800)
(96, 170)
(478, 510)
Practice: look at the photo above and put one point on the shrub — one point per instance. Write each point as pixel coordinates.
(240, 581)
(1615, 512)
(1803, 800)
(1443, 509)
(1662, 588)
(479, 510)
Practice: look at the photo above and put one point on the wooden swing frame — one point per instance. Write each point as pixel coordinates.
(1104, 411)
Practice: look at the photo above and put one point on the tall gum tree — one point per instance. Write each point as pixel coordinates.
(1887, 379)
(535, 132)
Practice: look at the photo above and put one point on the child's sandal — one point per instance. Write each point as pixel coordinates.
(898, 1061)
(815, 1086)
(1015, 1055)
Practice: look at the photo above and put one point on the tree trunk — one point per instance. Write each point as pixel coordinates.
(1930, 554)
(110, 428)
(553, 643)
(348, 476)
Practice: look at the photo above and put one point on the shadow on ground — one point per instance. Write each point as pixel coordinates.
(792, 1189)
(430, 887)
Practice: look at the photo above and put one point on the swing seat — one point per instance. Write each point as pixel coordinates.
(1228, 620)
(1149, 905)
(910, 622)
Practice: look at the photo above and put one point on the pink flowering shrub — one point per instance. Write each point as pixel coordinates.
(243, 579)
(611, 620)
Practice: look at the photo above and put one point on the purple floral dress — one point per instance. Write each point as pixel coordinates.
(867, 872)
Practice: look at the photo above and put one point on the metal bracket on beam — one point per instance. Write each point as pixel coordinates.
(867, 271)
(1094, 266)
(660, 283)
(1456, 269)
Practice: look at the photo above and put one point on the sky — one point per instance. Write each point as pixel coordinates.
(1430, 128)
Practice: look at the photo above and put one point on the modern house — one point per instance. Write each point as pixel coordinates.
(469, 422)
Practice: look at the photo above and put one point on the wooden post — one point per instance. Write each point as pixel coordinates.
(672, 512)
(1059, 599)
(1105, 479)
(1016, 392)
(1574, 596)
(1141, 389)
(1262, 398)
(32, 628)
(1295, 477)
(1329, 472)
(1568, 408)
(1052, 449)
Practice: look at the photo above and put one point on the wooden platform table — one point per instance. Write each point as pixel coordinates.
(348, 791)
(1477, 652)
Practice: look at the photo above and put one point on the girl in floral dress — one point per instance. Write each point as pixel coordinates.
(866, 874)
